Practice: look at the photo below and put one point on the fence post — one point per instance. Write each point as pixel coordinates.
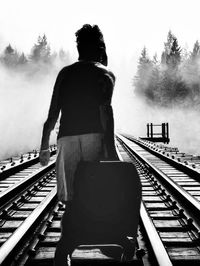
(167, 129)
(163, 130)
(148, 130)
(151, 130)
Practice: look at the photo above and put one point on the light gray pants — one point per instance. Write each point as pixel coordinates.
(72, 150)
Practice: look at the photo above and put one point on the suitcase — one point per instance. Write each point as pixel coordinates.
(106, 204)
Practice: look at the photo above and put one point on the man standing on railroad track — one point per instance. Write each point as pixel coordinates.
(82, 93)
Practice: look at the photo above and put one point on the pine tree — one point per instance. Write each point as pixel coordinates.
(10, 56)
(22, 59)
(41, 50)
(196, 51)
(143, 77)
(174, 57)
(167, 48)
(171, 55)
(9, 50)
(191, 74)
(171, 84)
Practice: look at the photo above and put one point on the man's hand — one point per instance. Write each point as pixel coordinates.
(44, 157)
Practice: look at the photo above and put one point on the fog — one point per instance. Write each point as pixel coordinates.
(184, 125)
(132, 113)
(24, 104)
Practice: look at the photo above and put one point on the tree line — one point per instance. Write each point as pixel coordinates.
(40, 59)
(172, 81)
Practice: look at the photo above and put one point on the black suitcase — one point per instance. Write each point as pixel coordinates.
(106, 205)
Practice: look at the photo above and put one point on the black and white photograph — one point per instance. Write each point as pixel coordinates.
(99, 132)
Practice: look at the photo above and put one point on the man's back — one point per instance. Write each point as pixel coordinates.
(84, 87)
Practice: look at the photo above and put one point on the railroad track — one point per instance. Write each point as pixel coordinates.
(170, 194)
(168, 233)
(26, 188)
(17, 173)
(16, 164)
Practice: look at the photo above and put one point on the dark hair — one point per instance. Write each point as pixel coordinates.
(90, 44)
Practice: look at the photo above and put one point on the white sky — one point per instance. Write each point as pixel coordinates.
(127, 25)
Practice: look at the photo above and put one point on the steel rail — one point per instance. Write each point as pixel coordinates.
(17, 165)
(184, 194)
(118, 153)
(9, 246)
(6, 194)
(158, 248)
(175, 160)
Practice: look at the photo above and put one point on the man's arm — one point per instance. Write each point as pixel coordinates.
(49, 124)
(106, 113)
